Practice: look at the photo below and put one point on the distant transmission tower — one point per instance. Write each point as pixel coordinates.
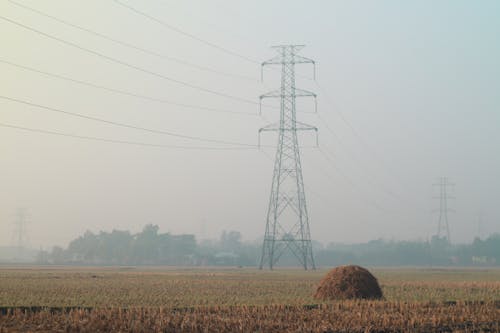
(287, 223)
(20, 231)
(443, 225)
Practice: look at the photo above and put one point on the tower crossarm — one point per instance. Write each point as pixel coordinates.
(296, 60)
(304, 93)
(293, 58)
(273, 61)
(298, 127)
(271, 94)
(296, 93)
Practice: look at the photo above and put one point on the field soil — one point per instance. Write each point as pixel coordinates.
(129, 299)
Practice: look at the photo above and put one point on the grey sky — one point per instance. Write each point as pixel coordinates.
(418, 82)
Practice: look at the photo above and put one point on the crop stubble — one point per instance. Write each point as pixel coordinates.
(244, 300)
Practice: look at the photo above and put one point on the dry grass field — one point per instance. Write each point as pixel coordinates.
(241, 300)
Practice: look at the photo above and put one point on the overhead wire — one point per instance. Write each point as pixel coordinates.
(140, 69)
(341, 115)
(126, 64)
(349, 180)
(194, 37)
(119, 124)
(354, 187)
(132, 46)
(363, 142)
(384, 188)
(152, 53)
(126, 142)
(357, 161)
(187, 34)
(123, 92)
(378, 184)
(389, 192)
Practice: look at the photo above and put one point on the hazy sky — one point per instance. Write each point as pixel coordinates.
(407, 92)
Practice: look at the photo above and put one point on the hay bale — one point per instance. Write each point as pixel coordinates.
(348, 282)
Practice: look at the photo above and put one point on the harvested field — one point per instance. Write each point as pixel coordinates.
(340, 317)
(241, 300)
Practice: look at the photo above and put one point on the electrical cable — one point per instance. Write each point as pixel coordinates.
(92, 138)
(119, 124)
(357, 161)
(187, 34)
(350, 181)
(348, 123)
(194, 37)
(134, 47)
(123, 92)
(126, 64)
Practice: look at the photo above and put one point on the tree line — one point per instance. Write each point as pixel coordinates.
(150, 247)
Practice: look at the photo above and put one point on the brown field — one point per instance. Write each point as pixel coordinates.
(241, 300)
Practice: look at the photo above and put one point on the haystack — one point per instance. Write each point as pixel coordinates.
(348, 282)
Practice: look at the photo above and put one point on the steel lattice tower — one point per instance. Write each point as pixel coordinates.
(20, 232)
(287, 223)
(443, 225)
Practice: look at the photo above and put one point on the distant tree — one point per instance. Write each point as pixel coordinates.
(58, 255)
(145, 246)
(114, 247)
(176, 249)
(42, 257)
(230, 241)
(84, 248)
(150, 247)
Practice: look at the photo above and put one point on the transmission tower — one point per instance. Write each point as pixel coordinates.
(443, 225)
(20, 232)
(287, 222)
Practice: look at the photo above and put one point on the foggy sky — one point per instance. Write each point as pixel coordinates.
(409, 92)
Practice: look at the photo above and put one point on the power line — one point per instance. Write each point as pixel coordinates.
(92, 138)
(123, 92)
(341, 115)
(331, 156)
(134, 47)
(126, 64)
(187, 34)
(341, 173)
(350, 181)
(354, 188)
(119, 124)
(385, 189)
(359, 163)
(349, 124)
(194, 37)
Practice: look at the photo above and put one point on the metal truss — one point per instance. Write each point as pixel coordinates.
(287, 222)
